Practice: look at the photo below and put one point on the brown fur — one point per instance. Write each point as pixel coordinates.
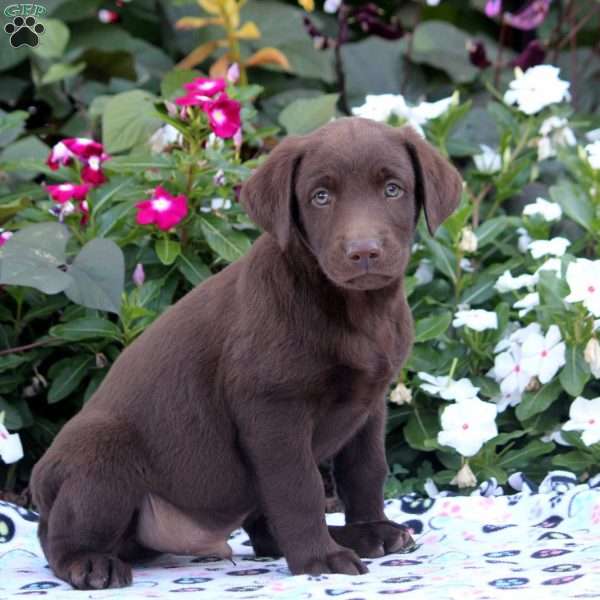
(219, 414)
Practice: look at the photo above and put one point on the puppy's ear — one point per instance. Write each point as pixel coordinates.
(438, 185)
(267, 196)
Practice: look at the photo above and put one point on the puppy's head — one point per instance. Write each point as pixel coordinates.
(353, 191)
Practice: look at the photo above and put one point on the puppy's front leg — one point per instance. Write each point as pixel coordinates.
(277, 444)
(360, 471)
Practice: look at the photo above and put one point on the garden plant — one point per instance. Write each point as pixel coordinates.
(128, 130)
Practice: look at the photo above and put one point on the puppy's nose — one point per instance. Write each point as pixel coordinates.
(363, 251)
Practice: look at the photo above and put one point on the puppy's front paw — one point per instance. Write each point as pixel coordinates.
(341, 560)
(374, 539)
(98, 571)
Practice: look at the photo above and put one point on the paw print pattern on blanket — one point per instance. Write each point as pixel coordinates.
(550, 549)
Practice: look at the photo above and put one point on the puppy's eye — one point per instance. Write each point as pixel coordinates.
(393, 190)
(320, 198)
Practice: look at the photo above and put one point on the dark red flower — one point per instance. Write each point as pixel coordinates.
(478, 54)
(370, 20)
(533, 55)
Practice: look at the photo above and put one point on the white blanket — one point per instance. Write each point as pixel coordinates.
(537, 544)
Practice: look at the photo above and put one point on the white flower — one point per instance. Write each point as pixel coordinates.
(467, 425)
(468, 240)
(465, 477)
(585, 416)
(466, 265)
(11, 449)
(433, 2)
(385, 106)
(527, 303)
(510, 372)
(593, 154)
(401, 395)
(542, 355)
(506, 399)
(424, 272)
(583, 277)
(507, 283)
(447, 388)
(549, 211)
(537, 88)
(517, 337)
(552, 264)
(592, 356)
(524, 239)
(477, 319)
(555, 436)
(555, 132)
(489, 161)
(163, 137)
(331, 6)
(593, 135)
(217, 204)
(555, 247)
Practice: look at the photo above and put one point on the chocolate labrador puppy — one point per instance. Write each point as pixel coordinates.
(219, 414)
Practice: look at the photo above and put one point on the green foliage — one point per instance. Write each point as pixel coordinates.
(69, 305)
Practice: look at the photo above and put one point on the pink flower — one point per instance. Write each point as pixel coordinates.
(205, 86)
(5, 236)
(59, 156)
(92, 173)
(493, 8)
(63, 192)
(108, 16)
(192, 99)
(163, 210)
(84, 148)
(224, 116)
(530, 17)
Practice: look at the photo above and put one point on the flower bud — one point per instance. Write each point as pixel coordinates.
(233, 73)
(465, 478)
(401, 395)
(139, 276)
(468, 241)
(592, 356)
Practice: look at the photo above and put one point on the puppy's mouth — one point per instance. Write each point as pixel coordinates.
(368, 281)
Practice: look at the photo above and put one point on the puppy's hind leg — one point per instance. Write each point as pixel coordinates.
(87, 527)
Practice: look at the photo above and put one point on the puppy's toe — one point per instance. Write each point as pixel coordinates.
(99, 571)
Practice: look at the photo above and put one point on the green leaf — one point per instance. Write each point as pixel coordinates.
(172, 83)
(307, 114)
(12, 361)
(11, 125)
(98, 276)
(522, 457)
(430, 328)
(574, 203)
(442, 45)
(128, 120)
(66, 375)
(192, 268)
(481, 291)
(443, 259)
(54, 40)
(576, 372)
(228, 243)
(575, 461)
(87, 328)
(167, 250)
(20, 156)
(421, 430)
(552, 290)
(32, 257)
(488, 231)
(60, 71)
(503, 438)
(533, 403)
